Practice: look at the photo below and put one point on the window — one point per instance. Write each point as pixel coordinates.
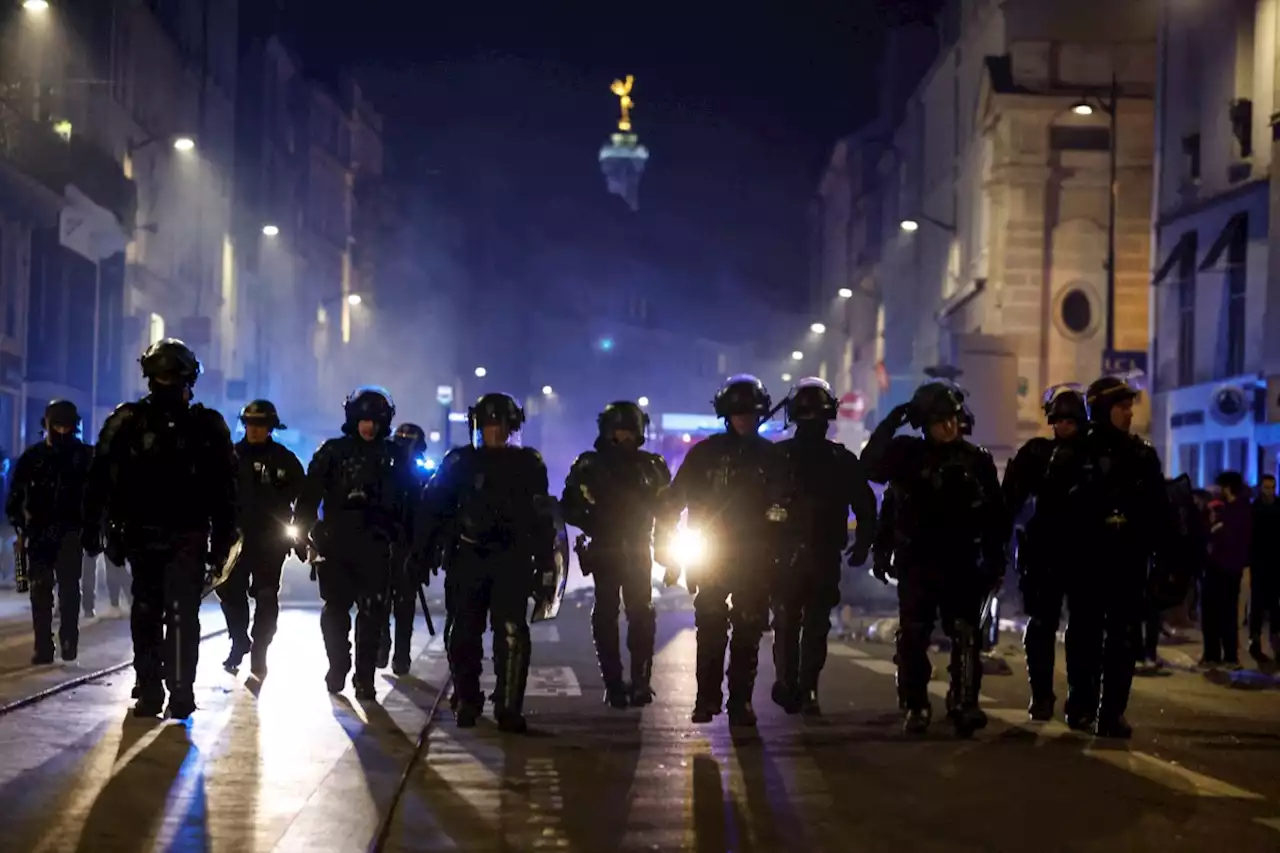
(1079, 139)
(1191, 149)
(1242, 126)
(1077, 312)
(1213, 452)
(1237, 283)
(1238, 456)
(1186, 319)
(156, 329)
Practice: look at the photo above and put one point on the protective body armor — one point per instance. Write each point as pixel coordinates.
(614, 493)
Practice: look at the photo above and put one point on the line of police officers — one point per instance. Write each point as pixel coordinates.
(167, 491)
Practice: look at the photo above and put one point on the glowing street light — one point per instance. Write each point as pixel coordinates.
(643, 401)
(909, 225)
(818, 328)
(1082, 109)
(547, 390)
(184, 143)
(786, 377)
(796, 355)
(270, 230)
(844, 293)
(354, 299)
(434, 436)
(480, 372)
(36, 5)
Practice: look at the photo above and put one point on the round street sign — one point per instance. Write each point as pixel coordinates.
(852, 406)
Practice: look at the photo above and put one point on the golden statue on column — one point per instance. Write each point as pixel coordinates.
(622, 88)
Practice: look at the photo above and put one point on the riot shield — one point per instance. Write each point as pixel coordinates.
(218, 575)
(551, 581)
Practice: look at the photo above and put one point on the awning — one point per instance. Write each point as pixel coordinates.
(1236, 230)
(1183, 253)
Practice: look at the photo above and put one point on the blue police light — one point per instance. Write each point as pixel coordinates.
(606, 344)
(426, 463)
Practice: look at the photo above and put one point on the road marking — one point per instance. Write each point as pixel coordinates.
(1269, 822)
(888, 667)
(543, 681)
(1173, 776)
(544, 633)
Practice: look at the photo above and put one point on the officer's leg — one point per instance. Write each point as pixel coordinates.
(338, 591)
(509, 603)
(788, 610)
(1042, 599)
(637, 597)
(917, 609)
(405, 604)
(961, 610)
(183, 583)
(372, 612)
(264, 586)
(823, 594)
(43, 579)
(233, 595)
(69, 566)
(711, 620)
(88, 583)
(749, 618)
(1122, 608)
(146, 623)
(604, 629)
(116, 576)
(1084, 654)
(470, 604)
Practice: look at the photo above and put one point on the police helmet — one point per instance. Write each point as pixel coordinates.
(170, 362)
(61, 413)
(623, 414)
(496, 408)
(261, 413)
(811, 399)
(369, 403)
(936, 401)
(1065, 402)
(743, 394)
(965, 419)
(1105, 393)
(412, 436)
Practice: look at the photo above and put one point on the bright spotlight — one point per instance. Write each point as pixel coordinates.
(480, 372)
(643, 401)
(1082, 109)
(909, 225)
(354, 299)
(786, 377)
(270, 230)
(844, 293)
(796, 355)
(818, 328)
(686, 438)
(184, 143)
(36, 5)
(547, 390)
(434, 436)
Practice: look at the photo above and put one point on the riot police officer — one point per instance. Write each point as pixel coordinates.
(1112, 490)
(487, 510)
(612, 495)
(1045, 553)
(45, 507)
(829, 481)
(736, 485)
(950, 531)
(270, 480)
(162, 490)
(362, 482)
(405, 574)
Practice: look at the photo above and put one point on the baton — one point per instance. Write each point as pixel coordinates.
(422, 598)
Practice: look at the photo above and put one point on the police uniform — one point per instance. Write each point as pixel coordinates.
(406, 573)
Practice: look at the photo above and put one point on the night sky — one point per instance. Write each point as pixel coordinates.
(738, 108)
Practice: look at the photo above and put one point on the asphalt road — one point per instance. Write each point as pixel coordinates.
(281, 766)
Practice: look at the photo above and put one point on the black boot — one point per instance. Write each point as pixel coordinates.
(182, 703)
(467, 713)
(258, 661)
(710, 675)
(641, 674)
(42, 657)
(617, 696)
(511, 660)
(1041, 709)
(335, 679)
(966, 681)
(786, 660)
(741, 713)
(364, 689)
(239, 648)
(400, 664)
(150, 701)
(917, 720)
(744, 651)
(1113, 727)
(809, 704)
(1255, 651)
(69, 650)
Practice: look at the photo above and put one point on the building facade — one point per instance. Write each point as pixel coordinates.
(1215, 284)
(993, 210)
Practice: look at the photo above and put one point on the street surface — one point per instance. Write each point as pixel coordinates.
(282, 766)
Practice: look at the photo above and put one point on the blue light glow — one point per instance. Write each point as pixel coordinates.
(606, 344)
(426, 463)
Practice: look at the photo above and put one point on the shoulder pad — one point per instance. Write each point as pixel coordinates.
(534, 456)
(585, 459)
(212, 419)
(455, 457)
(123, 414)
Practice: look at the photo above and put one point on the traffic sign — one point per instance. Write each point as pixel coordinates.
(852, 406)
(444, 394)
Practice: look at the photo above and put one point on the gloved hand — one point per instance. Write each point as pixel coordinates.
(900, 415)
(91, 541)
(882, 571)
(856, 554)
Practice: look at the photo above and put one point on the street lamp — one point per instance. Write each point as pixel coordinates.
(643, 401)
(913, 224)
(480, 372)
(818, 328)
(434, 436)
(353, 299)
(184, 143)
(845, 293)
(909, 225)
(796, 355)
(547, 390)
(1110, 106)
(271, 231)
(786, 377)
(36, 5)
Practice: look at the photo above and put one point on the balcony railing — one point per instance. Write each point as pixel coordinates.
(38, 151)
